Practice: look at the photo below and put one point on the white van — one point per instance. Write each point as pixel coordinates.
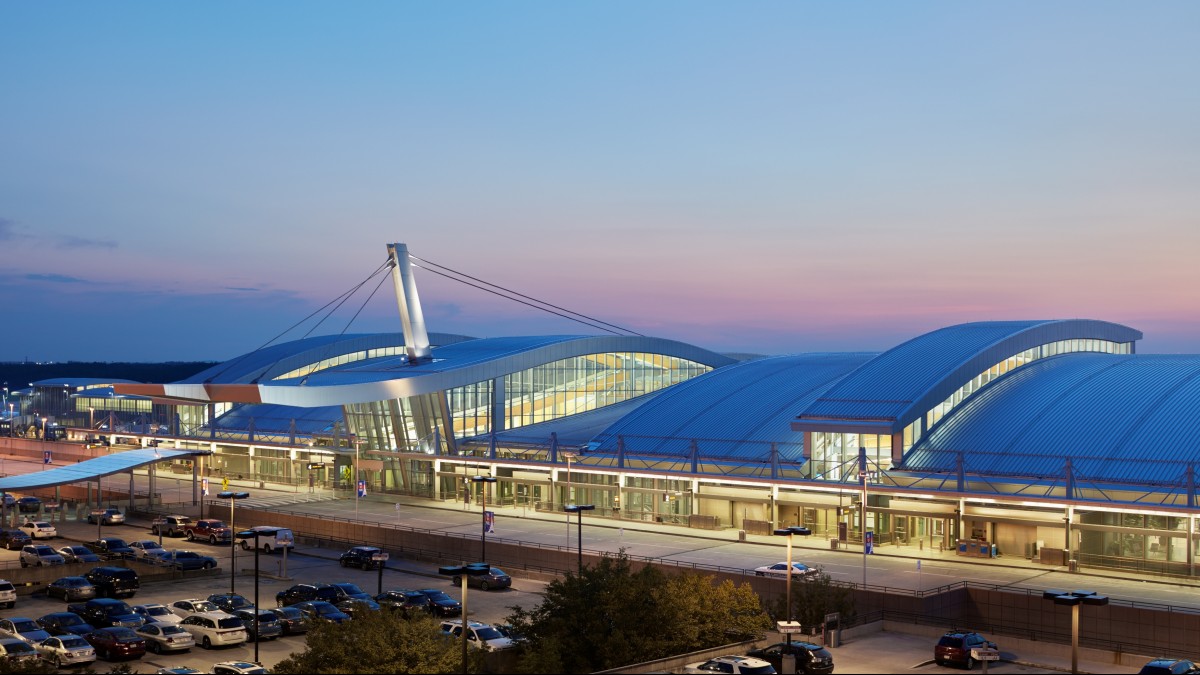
(282, 539)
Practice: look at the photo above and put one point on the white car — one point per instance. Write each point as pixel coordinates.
(39, 530)
(149, 551)
(156, 613)
(165, 637)
(237, 668)
(482, 635)
(780, 569)
(215, 629)
(185, 608)
(732, 664)
(66, 650)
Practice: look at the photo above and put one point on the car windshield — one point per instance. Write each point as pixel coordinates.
(150, 544)
(122, 633)
(288, 612)
(186, 554)
(488, 633)
(350, 589)
(68, 619)
(74, 641)
(439, 596)
(25, 626)
(158, 610)
(171, 629)
(18, 648)
(497, 572)
(230, 622)
(119, 608)
(326, 609)
(214, 523)
(204, 606)
(117, 543)
(44, 550)
(78, 550)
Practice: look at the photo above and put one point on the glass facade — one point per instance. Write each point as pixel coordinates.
(341, 360)
(835, 455)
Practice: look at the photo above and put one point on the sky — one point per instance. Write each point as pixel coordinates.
(193, 181)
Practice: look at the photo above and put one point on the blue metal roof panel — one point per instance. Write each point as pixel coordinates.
(117, 462)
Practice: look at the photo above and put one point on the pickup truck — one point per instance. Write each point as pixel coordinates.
(104, 612)
(208, 529)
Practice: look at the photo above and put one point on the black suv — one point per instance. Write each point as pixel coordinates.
(113, 582)
(811, 659)
(360, 556)
(305, 592)
(956, 645)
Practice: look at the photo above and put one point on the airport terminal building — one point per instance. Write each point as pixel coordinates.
(1050, 439)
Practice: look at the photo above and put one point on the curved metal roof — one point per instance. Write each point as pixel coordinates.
(902, 383)
(1122, 418)
(91, 469)
(269, 418)
(745, 405)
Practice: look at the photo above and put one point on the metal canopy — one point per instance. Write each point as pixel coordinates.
(93, 469)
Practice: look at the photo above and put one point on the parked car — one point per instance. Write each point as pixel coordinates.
(269, 626)
(76, 553)
(780, 569)
(228, 602)
(291, 620)
(40, 555)
(215, 629)
(117, 642)
(955, 647)
(8, 594)
(361, 557)
(208, 529)
(149, 551)
(155, 613)
(104, 612)
(170, 526)
(190, 560)
(408, 602)
(731, 664)
(14, 540)
(29, 504)
(302, 592)
(177, 670)
(811, 659)
(442, 604)
(1169, 667)
(114, 582)
(65, 623)
(110, 548)
(163, 637)
(38, 529)
(269, 539)
(481, 635)
(186, 608)
(23, 629)
(17, 650)
(495, 578)
(109, 516)
(66, 650)
(347, 591)
(71, 589)
(320, 610)
(237, 668)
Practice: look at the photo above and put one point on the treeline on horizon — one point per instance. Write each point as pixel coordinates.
(20, 375)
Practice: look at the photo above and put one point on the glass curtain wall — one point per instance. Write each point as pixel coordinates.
(835, 455)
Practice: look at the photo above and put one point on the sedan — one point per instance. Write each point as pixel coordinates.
(23, 629)
(495, 578)
(78, 554)
(291, 620)
(780, 569)
(238, 668)
(39, 530)
(165, 637)
(117, 642)
(443, 605)
(319, 610)
(149, 551)
(20, 651)
(190, 560)
(71, 589)
(268, 625)
(65, 623)
(67, 650)
(156, 613)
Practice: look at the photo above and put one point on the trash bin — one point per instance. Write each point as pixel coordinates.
(835, 637)
(1072, 565)
(741, 535)
(833, 544)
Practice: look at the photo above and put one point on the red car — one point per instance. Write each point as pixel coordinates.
(956, 647)
(116, 642)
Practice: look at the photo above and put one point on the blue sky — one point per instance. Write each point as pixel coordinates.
(188, 180)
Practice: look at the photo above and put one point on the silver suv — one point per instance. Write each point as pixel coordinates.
(170, 526)
(37, 555)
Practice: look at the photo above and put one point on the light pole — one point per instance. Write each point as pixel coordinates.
(1073, 599)
(232, 497)
(255, 534)
(789, 532)
(569, 493)
(356, 443)
(484, 480)
(91, 420)
(579, 509)
(463, 571)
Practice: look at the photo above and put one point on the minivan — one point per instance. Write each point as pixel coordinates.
(113, 582)
(282, 538)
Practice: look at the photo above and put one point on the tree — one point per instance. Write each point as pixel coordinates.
(813, 598)
(610, 615)
(377, 642)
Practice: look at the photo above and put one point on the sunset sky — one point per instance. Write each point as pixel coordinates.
(187, 181)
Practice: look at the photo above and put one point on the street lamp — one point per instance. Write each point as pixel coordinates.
(255, 534)
(463, 571)
(568, 493)
(579, 509)
(232, 497)
(91, 420)
(483, 499)
(789, 532)
(1074, 599)
(356, 478)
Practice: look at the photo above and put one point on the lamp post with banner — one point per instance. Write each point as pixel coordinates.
(484, 481)
(255, 534)
(578, 509)
(232, 497)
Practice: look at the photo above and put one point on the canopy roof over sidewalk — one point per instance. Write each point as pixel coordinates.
(93, 469)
